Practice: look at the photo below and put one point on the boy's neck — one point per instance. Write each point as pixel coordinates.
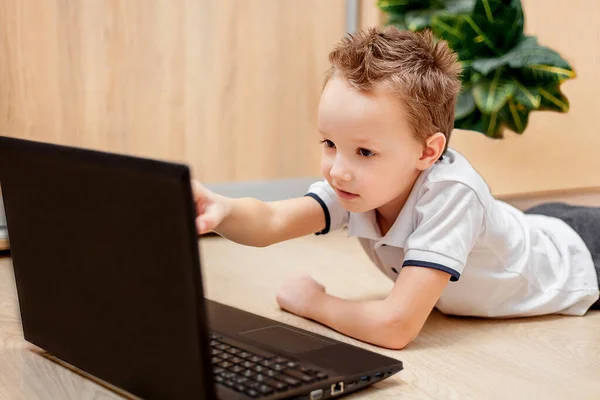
(387, 214)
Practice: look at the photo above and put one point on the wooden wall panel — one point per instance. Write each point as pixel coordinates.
(230, 87)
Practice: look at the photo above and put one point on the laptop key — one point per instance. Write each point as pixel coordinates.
(236, 360)
(265, 389)
(252, 392)
(216, 360)
(237, 369)
(291, 364)
(240, 380)
(299, 375)
(277, 385)
(217, 370)
(234, 351)
(278, 367)
(228, 375)
(225, 364)
(249, 373)
(267, 363)
(226, 356)
(272, 373)
(251, 384)
(219, 379)
(259, 368)
(289, 380)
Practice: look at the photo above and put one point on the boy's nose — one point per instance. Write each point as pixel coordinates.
(339, 173)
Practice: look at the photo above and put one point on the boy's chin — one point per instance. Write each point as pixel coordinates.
(355, 206)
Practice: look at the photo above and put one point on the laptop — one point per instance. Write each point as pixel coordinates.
(108, 274)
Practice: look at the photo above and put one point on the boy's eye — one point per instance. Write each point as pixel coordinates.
(365, 152)
(328, 143)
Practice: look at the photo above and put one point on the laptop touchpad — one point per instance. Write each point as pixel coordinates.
(286, 339)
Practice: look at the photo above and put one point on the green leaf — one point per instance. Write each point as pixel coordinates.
(465, 104)
(482, 39)
(501, 20)
(553, 99)
(419, 19)
(397, 21)
(491, 125)
(491, 94)
(453, 29)
(487, 124)
(515, 116)
(527, 53)
(459, 6)
(527, 96)
(546, 74)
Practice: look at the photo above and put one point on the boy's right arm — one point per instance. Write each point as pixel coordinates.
(253, 222)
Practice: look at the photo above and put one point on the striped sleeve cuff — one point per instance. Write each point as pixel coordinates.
(429, 259)
(336, 217)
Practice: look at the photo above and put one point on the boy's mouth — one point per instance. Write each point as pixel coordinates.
(345, 195)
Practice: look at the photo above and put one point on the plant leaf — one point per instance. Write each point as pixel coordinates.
(465, 103)
(459, 6)
(527, 53)
(453, 29)
(491, 94)
(546, 74)
(487, 124)
(553, 99)
(502, 20)
(491, 125)
(419, 19)
(515, 116)
(527, 96)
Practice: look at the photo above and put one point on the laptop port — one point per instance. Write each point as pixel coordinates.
(351, 384)
(379, 375)
(337, 388)
(316, 394)
(365, 378)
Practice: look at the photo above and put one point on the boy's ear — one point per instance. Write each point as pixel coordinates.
(434, 147)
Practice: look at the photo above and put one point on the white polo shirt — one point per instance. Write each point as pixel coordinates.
(502, 262)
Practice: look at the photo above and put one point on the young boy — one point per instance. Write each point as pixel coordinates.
(420, 211)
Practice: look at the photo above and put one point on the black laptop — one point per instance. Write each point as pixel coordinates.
(106, 261)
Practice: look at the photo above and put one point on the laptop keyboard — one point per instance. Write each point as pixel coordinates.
(255, 372)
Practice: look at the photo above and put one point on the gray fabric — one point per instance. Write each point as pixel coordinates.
(584, 220)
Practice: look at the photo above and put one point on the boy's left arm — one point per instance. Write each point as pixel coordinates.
(392, 322)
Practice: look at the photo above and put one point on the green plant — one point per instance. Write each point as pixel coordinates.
(506, 74)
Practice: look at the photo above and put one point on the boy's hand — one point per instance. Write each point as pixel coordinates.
(300, 295)
(211, 208)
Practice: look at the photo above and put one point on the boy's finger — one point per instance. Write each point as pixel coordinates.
(199, 191)
(204, 224)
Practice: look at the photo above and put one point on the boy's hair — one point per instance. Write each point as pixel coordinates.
(421, 70)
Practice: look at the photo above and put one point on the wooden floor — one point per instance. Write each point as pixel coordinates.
(453, 358)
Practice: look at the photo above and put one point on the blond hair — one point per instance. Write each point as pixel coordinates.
(421, 70)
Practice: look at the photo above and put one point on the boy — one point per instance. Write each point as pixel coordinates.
(421, 212)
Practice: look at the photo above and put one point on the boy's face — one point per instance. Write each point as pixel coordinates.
(370, 156)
